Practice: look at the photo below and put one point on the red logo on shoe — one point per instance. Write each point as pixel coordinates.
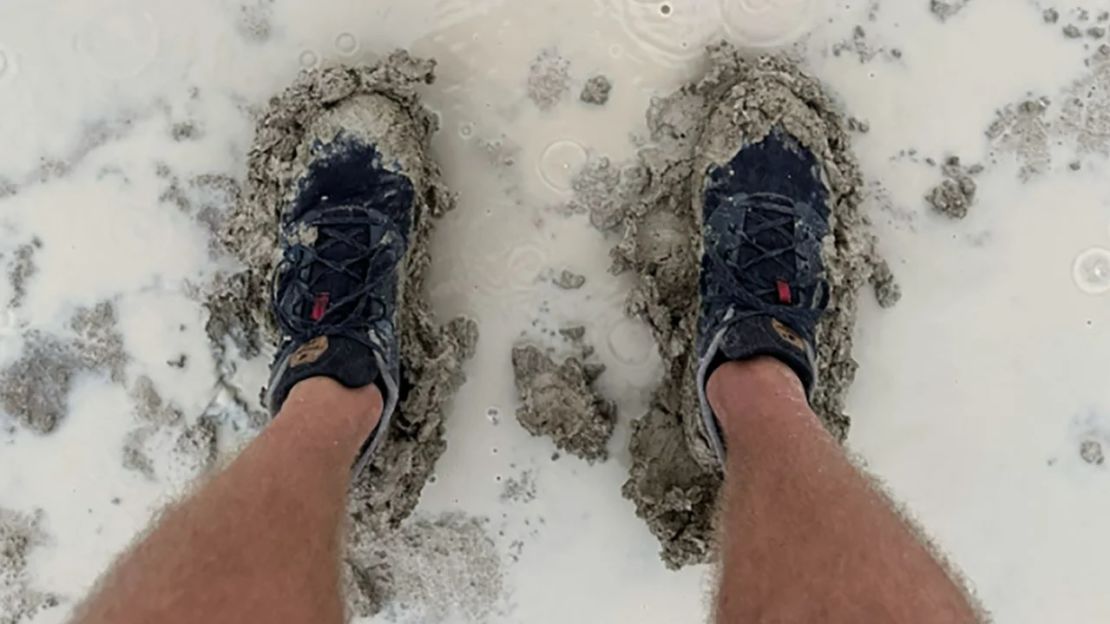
(320, 306)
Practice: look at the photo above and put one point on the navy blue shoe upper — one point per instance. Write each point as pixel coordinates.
(762, 284)
(343, 240)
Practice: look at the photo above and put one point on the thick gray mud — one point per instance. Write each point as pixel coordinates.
(390, 111)
(674, 479)
(559, 400)
(955, 195)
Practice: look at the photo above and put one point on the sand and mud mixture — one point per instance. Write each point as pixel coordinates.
(675, 480)
(559, 399)
(432, 355)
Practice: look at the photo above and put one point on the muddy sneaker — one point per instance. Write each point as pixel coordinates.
(343, 241)
(762, 276)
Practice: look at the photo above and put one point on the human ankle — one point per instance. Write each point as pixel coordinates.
(333, 405)
(744, 392)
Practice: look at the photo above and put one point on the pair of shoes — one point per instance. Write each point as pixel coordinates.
(345, 238)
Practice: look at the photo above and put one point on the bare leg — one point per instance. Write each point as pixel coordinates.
(806, 537)
(260, 542)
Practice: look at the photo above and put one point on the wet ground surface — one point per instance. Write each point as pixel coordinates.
(980, 399)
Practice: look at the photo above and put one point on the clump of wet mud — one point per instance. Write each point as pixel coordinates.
(602, 189)
(19, 601)
(559, 400)
(432, 355)
(433, 570)
(569, 280)
(596, 91)
(1091, 452)
(955, 194)
(34, 389)
(675, 479)
(944, 9)
(548, 79)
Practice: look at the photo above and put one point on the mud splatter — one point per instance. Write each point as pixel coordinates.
(185, 131)
(432, 355)
(548, 79)
(22, 270)
(19, 535)
(569, 280)
(99, 343)
(675, 479)
(944, 9)
(887, 291)
(520, 489)
(1022, 129)
(7, 188)
(1085, 114)
(597, 91)
(573, 334)
(1091, 452)
(1079, 117)
(603, 189)
(955, 194)
(430, 570)
(559, 401)
(254, 21)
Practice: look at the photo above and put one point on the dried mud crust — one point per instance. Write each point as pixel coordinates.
(674, 479)
(432, 355)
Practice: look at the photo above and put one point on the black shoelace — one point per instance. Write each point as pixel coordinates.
(362, 260)
(777, 266)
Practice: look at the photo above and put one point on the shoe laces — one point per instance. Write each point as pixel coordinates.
(355, 246)
(765, 268)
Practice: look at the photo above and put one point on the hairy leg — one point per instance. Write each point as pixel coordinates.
(806, 536)
(260, 542)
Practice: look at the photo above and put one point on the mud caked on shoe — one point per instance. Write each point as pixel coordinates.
(344, 242)
(762, 283)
